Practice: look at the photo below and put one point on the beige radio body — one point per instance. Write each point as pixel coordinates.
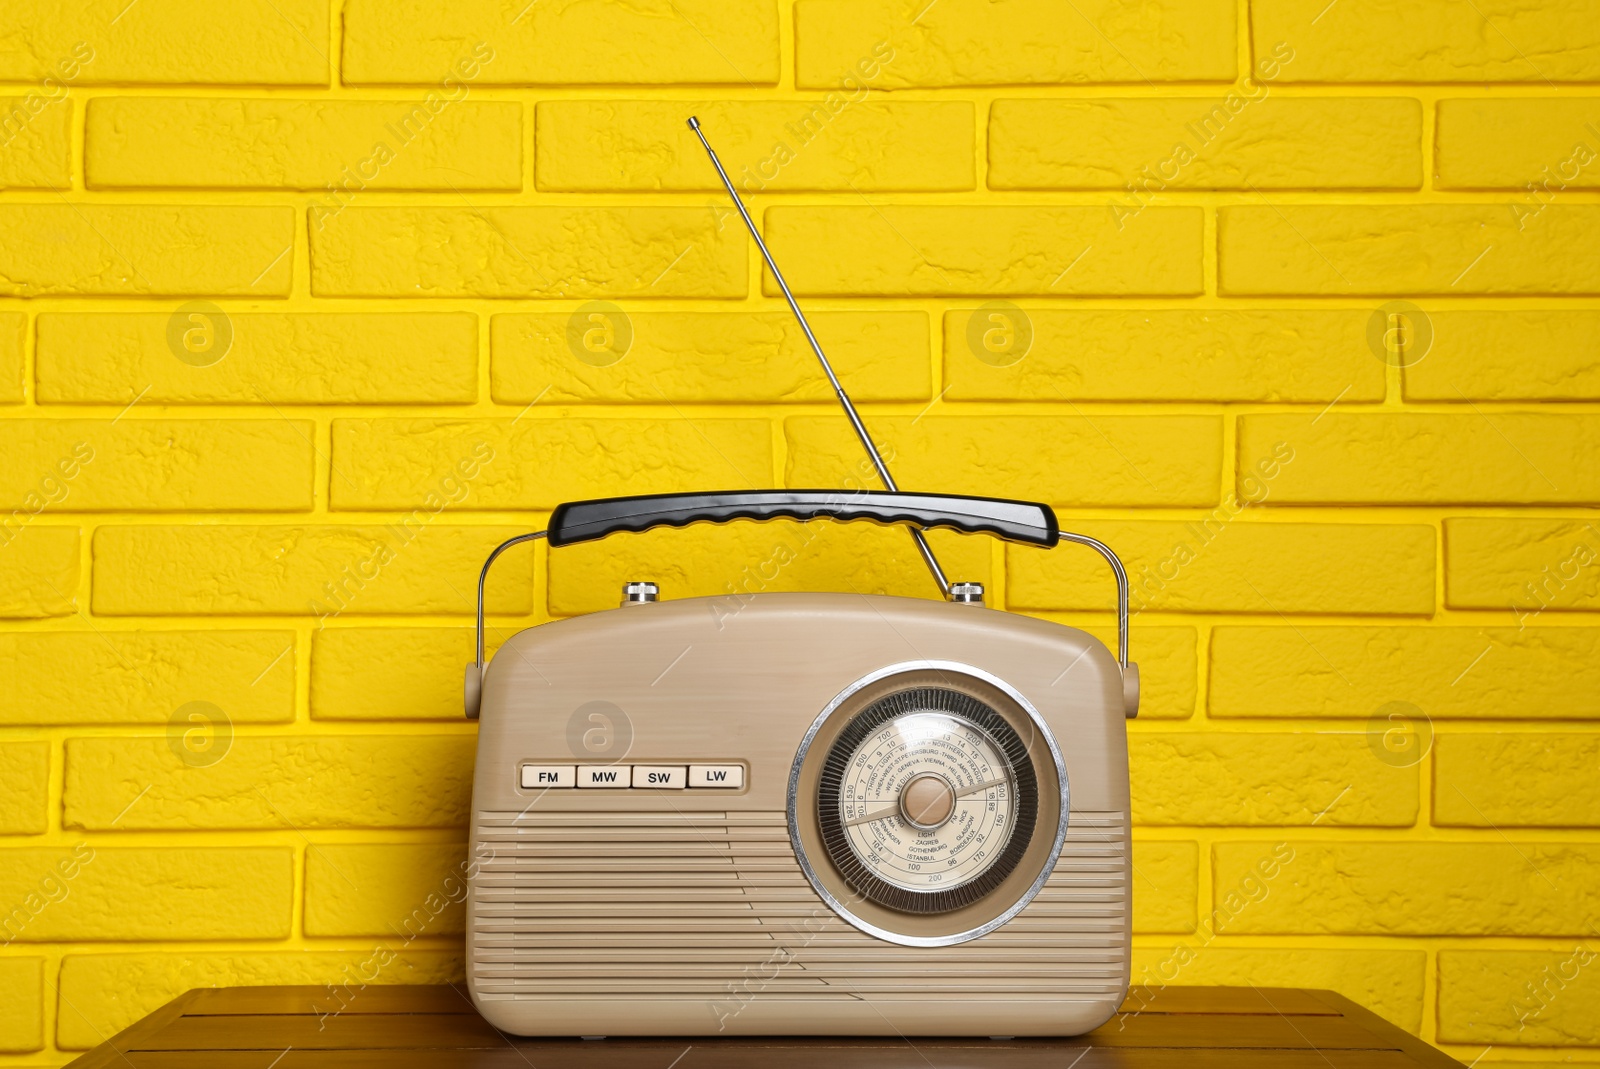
(667, 906)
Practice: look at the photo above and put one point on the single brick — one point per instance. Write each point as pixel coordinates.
(730, 563)
(24, 787)
(835, 142)
(1432, 41)
(1165, 883)
(272, 358)
(21, 1004)
(1388, 982)
(1168, 662)
(411, 566)
(13, 328)
(1394, 458)
(883, 44)
(1255, 779)
(349, 145)
(1158, 354)
(434, 464)
(684, 42)
(182, 42)
(83, 892)
(1516, 780)
(144, 677)
(1536, 998)
(1214, 564)
(1507, 355)
(101, 994)
(393, 673)
(1246, 140)
(146, 465)
(36, 140)
(291, 782)
(903, 250)
(1065, 460)
(594, 356)
(1373, 888)
(145, 250)
(1494, 673)
(1547, 143)
(404, 891)
(1523, 565)
(568, 251)
(1440, 249)
(38, 567)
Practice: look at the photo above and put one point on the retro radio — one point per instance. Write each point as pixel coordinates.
(824, 814)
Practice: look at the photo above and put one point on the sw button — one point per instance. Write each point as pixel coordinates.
(670, 777)
(716, 776)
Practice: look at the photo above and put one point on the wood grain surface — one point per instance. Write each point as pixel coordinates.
(436, 1027)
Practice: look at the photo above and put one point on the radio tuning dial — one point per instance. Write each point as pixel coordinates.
(927, 800)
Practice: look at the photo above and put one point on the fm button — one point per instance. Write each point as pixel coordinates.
(534, 776)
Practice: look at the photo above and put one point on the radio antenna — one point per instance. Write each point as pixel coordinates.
(827, 368)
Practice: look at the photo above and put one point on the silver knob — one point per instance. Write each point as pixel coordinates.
(639, 593)
(966, 593)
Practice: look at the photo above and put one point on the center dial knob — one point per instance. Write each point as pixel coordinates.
(927, 800)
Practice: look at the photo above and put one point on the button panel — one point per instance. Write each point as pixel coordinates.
(635, 777)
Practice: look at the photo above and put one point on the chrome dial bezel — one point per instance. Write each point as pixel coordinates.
(808, 866)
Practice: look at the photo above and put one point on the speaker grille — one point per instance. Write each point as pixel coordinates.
(646, 905)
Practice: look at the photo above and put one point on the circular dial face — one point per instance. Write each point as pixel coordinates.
(927, 800)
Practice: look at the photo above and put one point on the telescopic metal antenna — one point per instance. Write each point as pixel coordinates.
(838, 387)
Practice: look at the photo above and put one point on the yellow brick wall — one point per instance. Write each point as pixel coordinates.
(292, 299)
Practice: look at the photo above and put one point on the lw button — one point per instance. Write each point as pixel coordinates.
(731, 776)
(604, 775)
(537, 776)
(669, 777)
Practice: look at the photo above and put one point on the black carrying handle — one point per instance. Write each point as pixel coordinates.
(1014, 521)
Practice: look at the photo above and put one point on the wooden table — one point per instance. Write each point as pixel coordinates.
(433, 1027)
